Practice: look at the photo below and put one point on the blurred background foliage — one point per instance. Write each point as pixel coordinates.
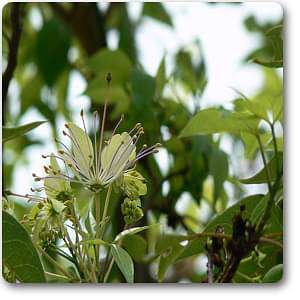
(192, 179)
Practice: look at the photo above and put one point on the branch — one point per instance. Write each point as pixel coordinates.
(13, 43)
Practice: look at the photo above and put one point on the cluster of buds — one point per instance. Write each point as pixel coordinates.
(131, 210)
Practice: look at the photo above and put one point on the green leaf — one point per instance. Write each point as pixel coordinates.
(136, 246)
(270, 53)
(218, 166)
(31, 91)
(274, 275)
(132, 231)
(251, 143)
(160, 78)
(124, 262)
(62, 86)
(261, 176)
(212, 120)
(167, 259)
(18, 252)
(14, 132)
(98, 92)
(168, 247)
(167, 241)
(157, 11)
(114, 61)
(192, 76)
(143, 93)
(52, 46)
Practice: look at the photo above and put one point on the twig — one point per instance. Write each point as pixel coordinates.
(16, 24)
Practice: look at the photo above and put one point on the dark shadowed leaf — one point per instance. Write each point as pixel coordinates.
(157, 11)
(19, 254)
(52, 46)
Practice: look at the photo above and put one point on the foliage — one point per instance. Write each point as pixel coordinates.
(130, 221)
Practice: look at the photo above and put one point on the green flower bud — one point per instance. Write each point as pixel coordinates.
(131, 210)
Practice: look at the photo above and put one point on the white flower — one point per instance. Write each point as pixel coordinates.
(97, 164)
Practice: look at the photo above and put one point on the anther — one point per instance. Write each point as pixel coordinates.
(108, 77)
(81, 112)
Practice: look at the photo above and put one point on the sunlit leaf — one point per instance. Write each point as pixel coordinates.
(261, 176)
(274, 275)
(124, 262)
(214, 120)
(9, 133)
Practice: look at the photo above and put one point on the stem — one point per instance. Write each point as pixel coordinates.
(265, 162)
(16, 25)
(272, 191)
(58, 276)
(275, 149)
(54, 262)
(112, 260)
(263, 239)
(105, 210)
(98, 215)
(111, 263)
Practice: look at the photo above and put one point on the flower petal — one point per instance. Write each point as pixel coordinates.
(82, 148)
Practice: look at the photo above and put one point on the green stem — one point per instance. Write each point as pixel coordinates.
(112, 260)
(58, 276)
(267, 212)
(105, 210)
(275, 149)
(108, 269)
(264, 162)
(98, 216)
(55, 263)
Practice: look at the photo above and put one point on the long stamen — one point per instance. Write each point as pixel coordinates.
(61, 176)
(146, 153)
(108, 78)
(136, 127)
(95, 119)
(146, 150)
(120, 155)
(87, 139)
(116, 127)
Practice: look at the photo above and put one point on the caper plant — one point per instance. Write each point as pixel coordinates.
(97, 165)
